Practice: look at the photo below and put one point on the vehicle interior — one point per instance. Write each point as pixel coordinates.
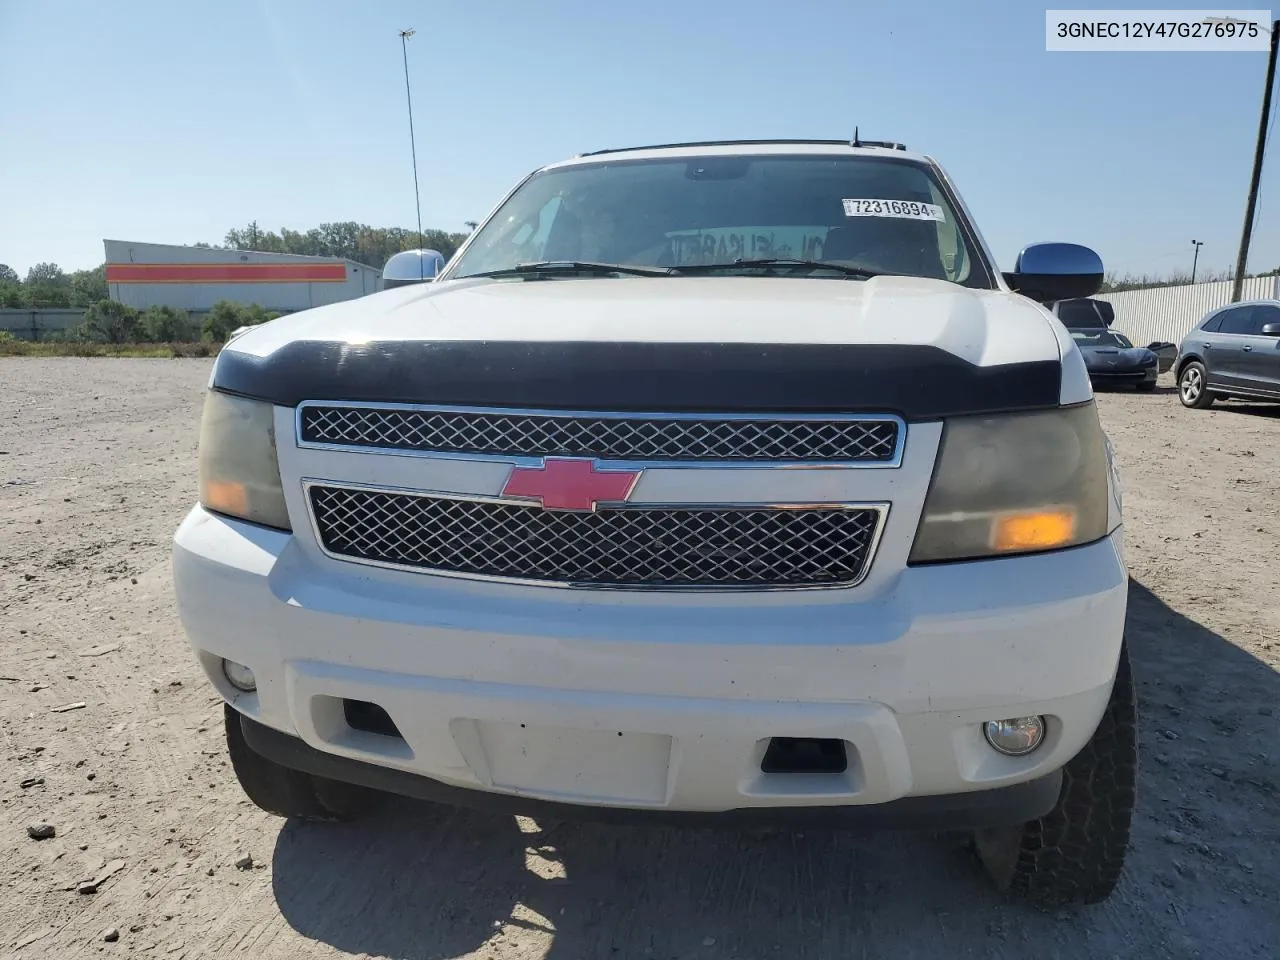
(717, 210)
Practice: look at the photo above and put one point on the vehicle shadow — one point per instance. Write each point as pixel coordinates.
(425, 882)
(1130, 388)
(1244, 406)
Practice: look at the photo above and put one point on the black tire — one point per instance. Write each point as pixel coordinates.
(1145, 387)
(290, 793)
(1074, 854)
(1193, 388)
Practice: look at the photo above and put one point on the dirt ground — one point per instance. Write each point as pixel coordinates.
(111, 737)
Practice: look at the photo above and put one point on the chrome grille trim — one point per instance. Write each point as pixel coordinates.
(502, 523)
(629, 439)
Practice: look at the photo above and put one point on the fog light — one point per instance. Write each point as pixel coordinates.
(239, 676)
(1015, 737)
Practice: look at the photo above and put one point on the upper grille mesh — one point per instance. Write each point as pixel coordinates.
(638, 437)
(674, 547)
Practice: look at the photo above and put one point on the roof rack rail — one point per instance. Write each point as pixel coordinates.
(747, 143)
(886, 144)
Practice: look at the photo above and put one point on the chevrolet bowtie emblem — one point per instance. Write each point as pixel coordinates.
(570, 484)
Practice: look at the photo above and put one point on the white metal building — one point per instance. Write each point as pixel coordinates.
(195, 278)
(1169, 313)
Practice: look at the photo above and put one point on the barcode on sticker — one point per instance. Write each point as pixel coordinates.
(905, 209)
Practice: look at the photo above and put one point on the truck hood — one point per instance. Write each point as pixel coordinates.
(924, 348)
(982, 327)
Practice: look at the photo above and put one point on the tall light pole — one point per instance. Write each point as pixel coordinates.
(1238, 288)
(1196, 259)
(413, 145)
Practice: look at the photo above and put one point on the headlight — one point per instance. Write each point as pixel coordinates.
(239, 474)
(1016, 483)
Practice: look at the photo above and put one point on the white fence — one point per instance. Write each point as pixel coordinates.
(1168, 313)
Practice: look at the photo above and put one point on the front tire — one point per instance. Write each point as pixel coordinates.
(290, 793)
(1075, 853)
(1193, 388)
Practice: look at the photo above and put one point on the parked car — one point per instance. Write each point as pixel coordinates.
(1087, 313)
(1084, 313)
(1112, 360)
(723, 481)
(1232, 352)
(1166, 353)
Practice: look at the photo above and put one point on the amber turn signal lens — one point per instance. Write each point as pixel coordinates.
(239, 471)
(225, 497)
(1041, 530)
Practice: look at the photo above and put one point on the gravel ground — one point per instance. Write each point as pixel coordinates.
(111, 737)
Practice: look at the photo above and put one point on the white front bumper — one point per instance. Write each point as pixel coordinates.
(645, 699)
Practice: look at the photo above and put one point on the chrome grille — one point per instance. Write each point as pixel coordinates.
(639, 437)
(656, 547)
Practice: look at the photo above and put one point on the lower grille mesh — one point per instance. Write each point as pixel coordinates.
(674, 547)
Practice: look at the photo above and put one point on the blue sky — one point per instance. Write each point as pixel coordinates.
(172, 122)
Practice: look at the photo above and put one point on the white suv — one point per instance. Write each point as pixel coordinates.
(711, 481)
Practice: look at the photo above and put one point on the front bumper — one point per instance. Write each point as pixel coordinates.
(1124, 375)
(974, 810)
(662, 702)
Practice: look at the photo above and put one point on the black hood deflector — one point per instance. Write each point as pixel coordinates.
(918, 382)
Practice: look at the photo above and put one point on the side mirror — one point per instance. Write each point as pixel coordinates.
(411, 267)
(1271, 329)
(1056, 271)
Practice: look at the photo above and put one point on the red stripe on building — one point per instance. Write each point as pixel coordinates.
(226, 272)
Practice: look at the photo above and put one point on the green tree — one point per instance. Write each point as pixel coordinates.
(8, 274)
(222, 319)
(46, 286)
(226, 316)
(340, 239)
(255, 313)
(1116, 283)
(12, 294)
(108, 321)
(245, 239)
(89, 286)
(46, 294)
(347, 239)
(165, 325)
(46, 273)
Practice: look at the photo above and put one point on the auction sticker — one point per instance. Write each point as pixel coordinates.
(903, 209)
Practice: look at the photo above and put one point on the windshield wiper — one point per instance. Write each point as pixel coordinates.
(782, 262)
(547, 267)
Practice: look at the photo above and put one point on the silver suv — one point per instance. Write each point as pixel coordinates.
(1232, 352)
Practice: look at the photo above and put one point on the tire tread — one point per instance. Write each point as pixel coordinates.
(282, 791)
(1076, 852)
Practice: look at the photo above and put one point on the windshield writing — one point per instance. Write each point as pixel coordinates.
(669, 213)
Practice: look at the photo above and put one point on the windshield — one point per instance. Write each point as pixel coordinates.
(878, 214)
(1100, 338)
